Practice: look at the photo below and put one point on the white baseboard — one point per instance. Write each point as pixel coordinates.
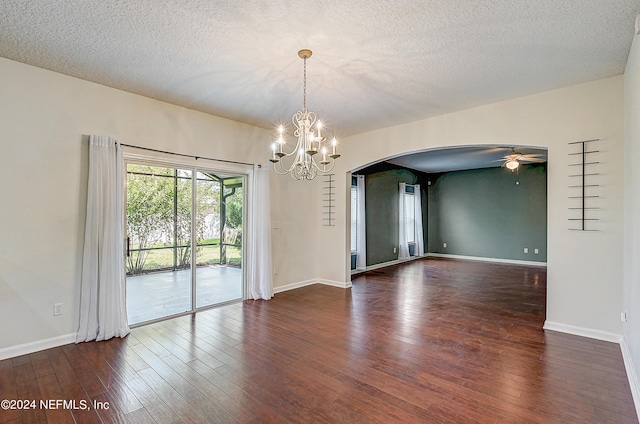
(582, 331)
(482, 259)
(38, 345)
(634, 382)
(305, 283)
(386, 264)
(445, 255)
(292, 286)
(334, 283)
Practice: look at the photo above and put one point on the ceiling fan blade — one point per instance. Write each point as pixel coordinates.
(535, 160)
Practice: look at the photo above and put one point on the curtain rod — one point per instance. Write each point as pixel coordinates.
(185, 155)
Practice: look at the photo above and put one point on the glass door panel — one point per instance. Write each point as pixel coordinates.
(219, 219)
(159, 227)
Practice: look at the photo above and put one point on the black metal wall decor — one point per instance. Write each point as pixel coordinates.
(328, 198)
(584, 176)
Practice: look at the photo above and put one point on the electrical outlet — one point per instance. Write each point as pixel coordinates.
(526, 250)
(444, 244)
(275, 270)
(536, 251)
(395, 250)
(57, 309)
(623, 316)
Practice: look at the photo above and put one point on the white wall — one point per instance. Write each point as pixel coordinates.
(584, 269)
(44, 120)
(632, 218)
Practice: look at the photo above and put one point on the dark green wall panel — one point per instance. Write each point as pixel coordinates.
(484, 213)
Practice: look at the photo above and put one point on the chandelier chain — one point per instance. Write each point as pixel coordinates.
(304, 90)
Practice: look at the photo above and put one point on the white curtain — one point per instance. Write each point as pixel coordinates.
(403, 245)
(259, 273)
(419, 250)
(103, 312)
(361, 233)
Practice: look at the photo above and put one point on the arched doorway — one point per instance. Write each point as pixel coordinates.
(472, 205)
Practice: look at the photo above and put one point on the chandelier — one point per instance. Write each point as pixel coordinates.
(313, 155)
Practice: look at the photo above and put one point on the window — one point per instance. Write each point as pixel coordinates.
(409, 217)
(354, 219)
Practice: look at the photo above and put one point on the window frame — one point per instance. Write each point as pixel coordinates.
(410, 229)
(354, 219)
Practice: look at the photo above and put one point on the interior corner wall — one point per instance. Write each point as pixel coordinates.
(632, 214)
(46, 118)
(490, 213)
(584, 269)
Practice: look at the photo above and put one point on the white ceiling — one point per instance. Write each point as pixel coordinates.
(375, 63)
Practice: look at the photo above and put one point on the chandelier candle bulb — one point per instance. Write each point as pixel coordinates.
(313, 144)
(324, 156)
(334, 143)
(280, 143)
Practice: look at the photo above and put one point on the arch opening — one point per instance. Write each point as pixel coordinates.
(473, 206)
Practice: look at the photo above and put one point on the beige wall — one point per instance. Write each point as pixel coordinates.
(632, 218)
(584, 268)
(294, 207)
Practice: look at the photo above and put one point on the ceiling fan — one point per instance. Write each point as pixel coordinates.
(513, 160)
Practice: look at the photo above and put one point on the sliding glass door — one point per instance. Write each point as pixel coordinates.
(170, 210)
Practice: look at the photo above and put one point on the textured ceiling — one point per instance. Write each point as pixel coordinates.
(459, 158)
(375, 63)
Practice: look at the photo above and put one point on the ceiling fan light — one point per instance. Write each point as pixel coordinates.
(512, 164)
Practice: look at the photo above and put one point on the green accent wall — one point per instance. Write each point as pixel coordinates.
(491, 213)
(381, 201)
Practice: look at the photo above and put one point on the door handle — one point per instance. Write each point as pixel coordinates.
(128, 247)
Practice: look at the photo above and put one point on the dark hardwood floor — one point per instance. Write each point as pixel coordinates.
(431, 341)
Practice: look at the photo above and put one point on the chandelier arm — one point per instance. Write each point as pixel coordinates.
(284, 169)
(323, 170)
(287, 169)
(291, 153)
(296, 119)
(275, 168)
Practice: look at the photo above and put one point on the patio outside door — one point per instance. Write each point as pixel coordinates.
(169, 210)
